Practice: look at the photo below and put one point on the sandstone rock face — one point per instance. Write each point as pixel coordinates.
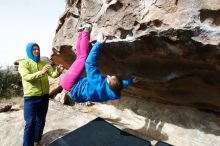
(172, 46)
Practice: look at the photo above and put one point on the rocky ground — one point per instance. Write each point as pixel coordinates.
(174, 124)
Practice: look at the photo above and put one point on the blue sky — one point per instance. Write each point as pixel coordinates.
(24, 21)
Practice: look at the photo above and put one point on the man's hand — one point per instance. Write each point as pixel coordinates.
(135, 80)
(59, 68)
(101, 38)
(46, 68)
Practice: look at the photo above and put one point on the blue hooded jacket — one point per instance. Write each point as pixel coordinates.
(94, 86)
(29, 52)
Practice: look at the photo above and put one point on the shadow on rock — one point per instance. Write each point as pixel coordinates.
(53, 135)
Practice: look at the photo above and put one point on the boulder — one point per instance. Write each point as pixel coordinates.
(172, 46)
(5, 107)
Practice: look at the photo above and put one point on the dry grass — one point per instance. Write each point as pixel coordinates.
(12, 100)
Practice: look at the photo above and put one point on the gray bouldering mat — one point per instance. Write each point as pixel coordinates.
(99, 133)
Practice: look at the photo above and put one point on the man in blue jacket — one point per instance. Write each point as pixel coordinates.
(96, 87)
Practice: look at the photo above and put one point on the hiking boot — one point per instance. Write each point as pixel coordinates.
(85, 27)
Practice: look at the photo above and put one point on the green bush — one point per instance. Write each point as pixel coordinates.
(10, 83)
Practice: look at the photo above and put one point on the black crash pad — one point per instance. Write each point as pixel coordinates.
(99, 133)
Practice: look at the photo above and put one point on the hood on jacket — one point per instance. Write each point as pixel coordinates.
(29, 52)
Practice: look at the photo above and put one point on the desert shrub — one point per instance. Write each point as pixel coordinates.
(10, 83)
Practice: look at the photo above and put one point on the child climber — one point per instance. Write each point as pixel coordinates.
(94, 87)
